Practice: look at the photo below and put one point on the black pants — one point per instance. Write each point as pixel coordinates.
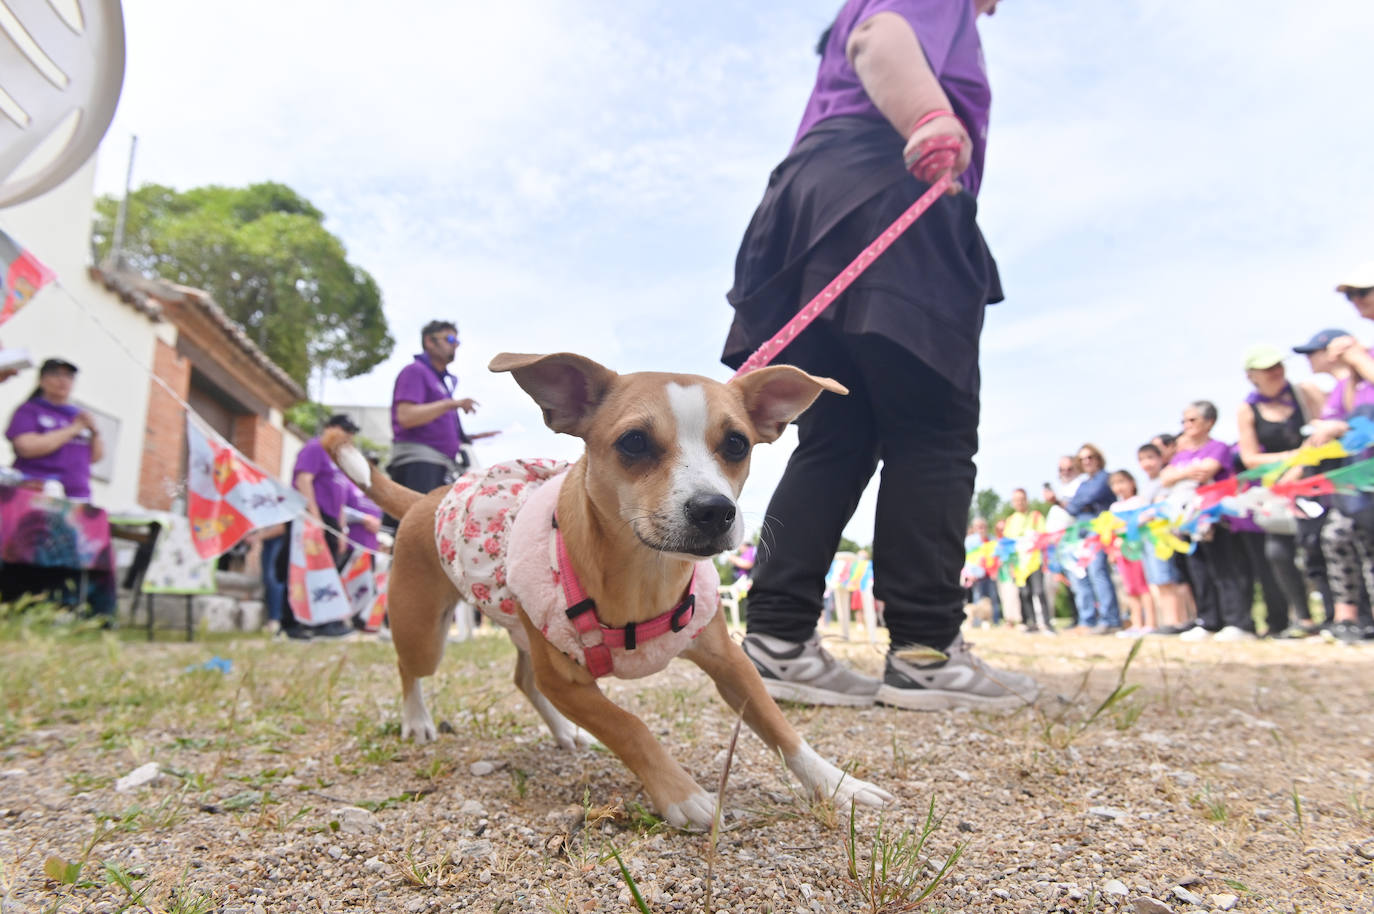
(1280, 581)
(418, 477)
(1309, 543)
(1222, 582)
(1034, 590)
(1282, 555)
(925, 431)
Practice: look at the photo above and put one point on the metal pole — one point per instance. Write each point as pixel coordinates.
(116, 258)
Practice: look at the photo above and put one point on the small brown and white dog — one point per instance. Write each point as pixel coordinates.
(602, 568)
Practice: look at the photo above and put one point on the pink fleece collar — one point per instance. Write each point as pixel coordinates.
(596, 637)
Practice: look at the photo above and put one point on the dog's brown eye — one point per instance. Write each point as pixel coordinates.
(735, 446)
(633, 444)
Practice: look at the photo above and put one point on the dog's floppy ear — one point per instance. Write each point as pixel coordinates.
(567, 387)
(776, 395)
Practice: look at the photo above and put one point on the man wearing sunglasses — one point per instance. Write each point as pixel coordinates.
(427, 433)
(1358, 288)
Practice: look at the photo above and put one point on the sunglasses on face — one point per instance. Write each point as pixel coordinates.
(449, 338)
(1357, 294)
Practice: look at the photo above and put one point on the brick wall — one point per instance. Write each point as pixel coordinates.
(245, 435)
(164, 441)
(260, 442)
(269, 449)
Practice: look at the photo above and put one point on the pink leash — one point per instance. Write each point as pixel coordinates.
(812, 309)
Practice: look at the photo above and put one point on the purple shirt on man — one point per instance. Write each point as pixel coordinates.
(71, 463)
(419, 383)
(947, 32)
(1213, 449)
(330, 483)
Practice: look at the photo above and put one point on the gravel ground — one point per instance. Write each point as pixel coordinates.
(1237, 777)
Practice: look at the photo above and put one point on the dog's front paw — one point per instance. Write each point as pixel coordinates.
(571, 737)
(697, 811)
(415, 720)
(421, 731)
(853, 790)
(830, 782)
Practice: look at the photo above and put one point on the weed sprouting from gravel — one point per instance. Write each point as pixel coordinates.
(1058, 732)
(894, 878)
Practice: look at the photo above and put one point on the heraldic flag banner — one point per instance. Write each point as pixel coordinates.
(22, 276)
(364, 578)
(226, 497)
(313, 588)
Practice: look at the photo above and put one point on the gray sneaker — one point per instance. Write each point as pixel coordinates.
(806, 673)
(959, 681)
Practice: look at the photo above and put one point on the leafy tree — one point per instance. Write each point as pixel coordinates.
(265, 256)
(987, 504)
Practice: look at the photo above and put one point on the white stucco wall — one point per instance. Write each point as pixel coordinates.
(56, 229)
(291, 445)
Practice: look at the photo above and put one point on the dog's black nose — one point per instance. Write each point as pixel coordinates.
(711, 514)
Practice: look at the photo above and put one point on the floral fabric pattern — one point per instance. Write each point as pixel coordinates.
(472, 529)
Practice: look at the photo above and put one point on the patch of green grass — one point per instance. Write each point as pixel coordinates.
(892, 875)
(520, 780)
(1299, 824)
(123, 880)
(429, 872)
(81, 782)
(1212, 805)
(410, 796)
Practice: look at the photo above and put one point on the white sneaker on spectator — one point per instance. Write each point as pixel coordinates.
(1234, 633)
(1196, 633)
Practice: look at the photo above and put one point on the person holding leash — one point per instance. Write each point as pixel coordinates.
(901, 100)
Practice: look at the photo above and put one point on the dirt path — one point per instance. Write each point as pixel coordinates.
(1237, 777)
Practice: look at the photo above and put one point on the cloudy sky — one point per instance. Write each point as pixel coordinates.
(1167, 182)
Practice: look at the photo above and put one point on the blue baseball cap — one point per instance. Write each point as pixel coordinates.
(1319, 342)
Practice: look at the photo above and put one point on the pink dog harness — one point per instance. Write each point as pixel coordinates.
(500, 546)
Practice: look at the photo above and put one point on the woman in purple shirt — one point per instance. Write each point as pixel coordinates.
(1347, 536)
(1219, 569)
(52, 438)
(896, 77)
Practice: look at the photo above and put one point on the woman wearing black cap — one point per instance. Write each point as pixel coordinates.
(52, 438)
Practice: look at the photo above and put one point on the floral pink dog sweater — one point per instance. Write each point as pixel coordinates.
(495, 532)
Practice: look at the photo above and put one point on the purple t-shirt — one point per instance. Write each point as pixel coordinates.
(949, 38)
(71, 463)
(1212, 450)
(418, 382)
(362, 504)
(1335, 404)
(331, 485)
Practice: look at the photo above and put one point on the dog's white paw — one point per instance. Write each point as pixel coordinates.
(853, 790)
(697, 811)
(421, 731)
(827, 780)
(415, 720)
(572, 738)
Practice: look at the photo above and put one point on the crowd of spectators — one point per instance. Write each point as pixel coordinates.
(1322, 547)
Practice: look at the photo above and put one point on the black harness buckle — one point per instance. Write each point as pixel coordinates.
(578, 609)
(683, 614)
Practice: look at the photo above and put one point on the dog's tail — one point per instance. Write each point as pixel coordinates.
(392, 497)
